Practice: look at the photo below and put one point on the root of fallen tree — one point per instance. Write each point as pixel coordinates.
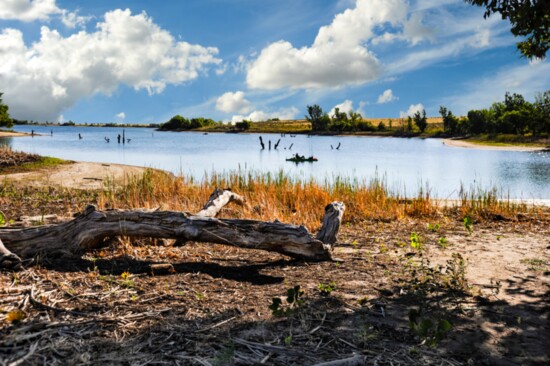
(89, 230)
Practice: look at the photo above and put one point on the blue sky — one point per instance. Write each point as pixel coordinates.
(145, 61)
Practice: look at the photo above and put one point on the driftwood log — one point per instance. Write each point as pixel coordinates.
(88, 231)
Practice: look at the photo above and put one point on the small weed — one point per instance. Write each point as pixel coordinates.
(434, 228)
(468, 224)
(326, 289)
(294, 301)
(288, 340)
(199, 296)
(443, 242)
(416, 242)
(534, 264)
(126, 281)
(430, 330)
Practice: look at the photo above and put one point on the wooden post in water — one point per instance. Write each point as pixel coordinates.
(262, 143)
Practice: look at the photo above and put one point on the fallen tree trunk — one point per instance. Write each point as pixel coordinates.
(90, 229)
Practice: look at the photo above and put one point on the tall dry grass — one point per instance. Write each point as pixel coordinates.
(277, 196)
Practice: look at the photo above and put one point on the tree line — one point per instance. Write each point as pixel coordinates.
(5, 120)
(179, 123)
(514, 115)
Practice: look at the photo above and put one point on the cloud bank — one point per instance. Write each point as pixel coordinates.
(43, 79)
(338, 56)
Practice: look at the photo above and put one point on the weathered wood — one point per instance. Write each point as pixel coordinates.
(89, 230)
(331, 222)
(8, 259)
(218, 199)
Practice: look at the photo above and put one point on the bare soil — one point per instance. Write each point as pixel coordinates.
(212, 306)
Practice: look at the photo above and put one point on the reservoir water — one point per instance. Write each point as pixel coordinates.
(405, 164)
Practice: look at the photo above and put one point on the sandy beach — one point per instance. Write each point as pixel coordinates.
(471, 145)
(12, 134)
(80, 175)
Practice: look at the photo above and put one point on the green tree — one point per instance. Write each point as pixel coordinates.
(244, 125)
(450, 122)
(529, 18)
(5, 120)
(541, 106)
(319, 120)
(420, 120)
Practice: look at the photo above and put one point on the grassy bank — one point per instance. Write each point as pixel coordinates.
(18, 162)
(269, 197)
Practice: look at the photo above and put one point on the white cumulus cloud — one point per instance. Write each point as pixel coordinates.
(121, 115)
(43, 79)
(28, 10)
(345, 106)
(233, 103)
(337, 57)
(386, 97)
(257, 116)
(41, 10)
(413, 108)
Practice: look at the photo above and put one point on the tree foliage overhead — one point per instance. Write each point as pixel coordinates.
(5, 120)
(529, 18)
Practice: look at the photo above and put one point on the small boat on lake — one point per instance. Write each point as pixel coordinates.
(302, 159)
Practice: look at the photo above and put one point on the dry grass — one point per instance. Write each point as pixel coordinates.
(278, 196)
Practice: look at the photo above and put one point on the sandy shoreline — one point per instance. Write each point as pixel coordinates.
(471, 145)
(12, 134)
(81, 175)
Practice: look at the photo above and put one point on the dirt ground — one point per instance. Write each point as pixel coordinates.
(81, 175)
(212, 306)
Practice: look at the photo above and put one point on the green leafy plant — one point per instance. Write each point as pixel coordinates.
(2, 219)
(326, 289)
(434, 227)
(294, 300)
(430, 330)
(443, 242)
(468, 224)
(416, 242)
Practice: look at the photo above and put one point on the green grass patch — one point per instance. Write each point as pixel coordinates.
(42, 162)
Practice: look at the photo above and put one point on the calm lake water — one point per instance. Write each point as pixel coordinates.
(406, 164)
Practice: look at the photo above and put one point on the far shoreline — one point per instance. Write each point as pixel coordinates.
(472, 145)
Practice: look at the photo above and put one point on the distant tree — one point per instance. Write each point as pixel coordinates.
(319, 120)
(409, 124)
(542, 109)
(244, 125)
(450, 122)
(529, 18)
(5, 120)
(381, 126)
(420, 120)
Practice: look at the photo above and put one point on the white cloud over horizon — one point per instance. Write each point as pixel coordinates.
(53, 73)
(386, 97)
(345, 106)
(258, 115)
(413, 108)
(121, 115)
(233, 103)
